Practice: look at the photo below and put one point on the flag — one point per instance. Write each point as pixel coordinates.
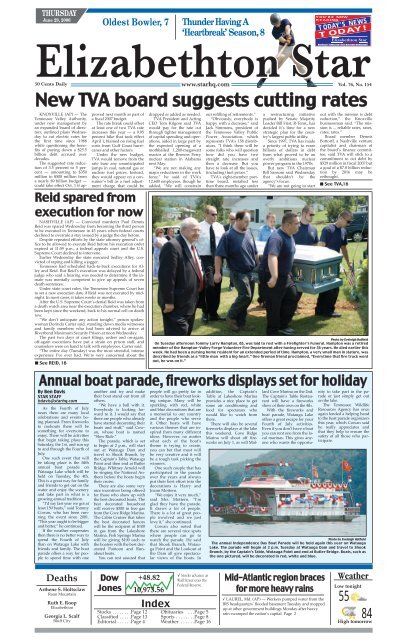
(314, 472)
(346, 466)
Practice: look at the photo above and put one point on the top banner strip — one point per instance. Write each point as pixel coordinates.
(229, 10)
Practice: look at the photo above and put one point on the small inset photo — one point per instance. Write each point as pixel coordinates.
(319, 492)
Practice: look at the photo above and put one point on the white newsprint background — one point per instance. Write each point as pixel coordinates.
(389, 285)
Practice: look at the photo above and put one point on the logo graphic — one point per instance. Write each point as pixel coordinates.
(344, 31)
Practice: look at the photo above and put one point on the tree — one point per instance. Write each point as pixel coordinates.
(157, 209)
(334, 208)
(361, 200)
(313, 201)
(348, 202)
(216, 201)
(214, 480)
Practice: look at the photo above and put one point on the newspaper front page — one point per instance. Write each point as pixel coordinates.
(202, 211)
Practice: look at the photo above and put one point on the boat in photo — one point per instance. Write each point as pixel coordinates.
(266, 495)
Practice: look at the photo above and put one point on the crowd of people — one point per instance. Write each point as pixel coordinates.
(189, 268)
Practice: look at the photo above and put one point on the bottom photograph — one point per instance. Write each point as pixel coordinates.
(318, 492)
